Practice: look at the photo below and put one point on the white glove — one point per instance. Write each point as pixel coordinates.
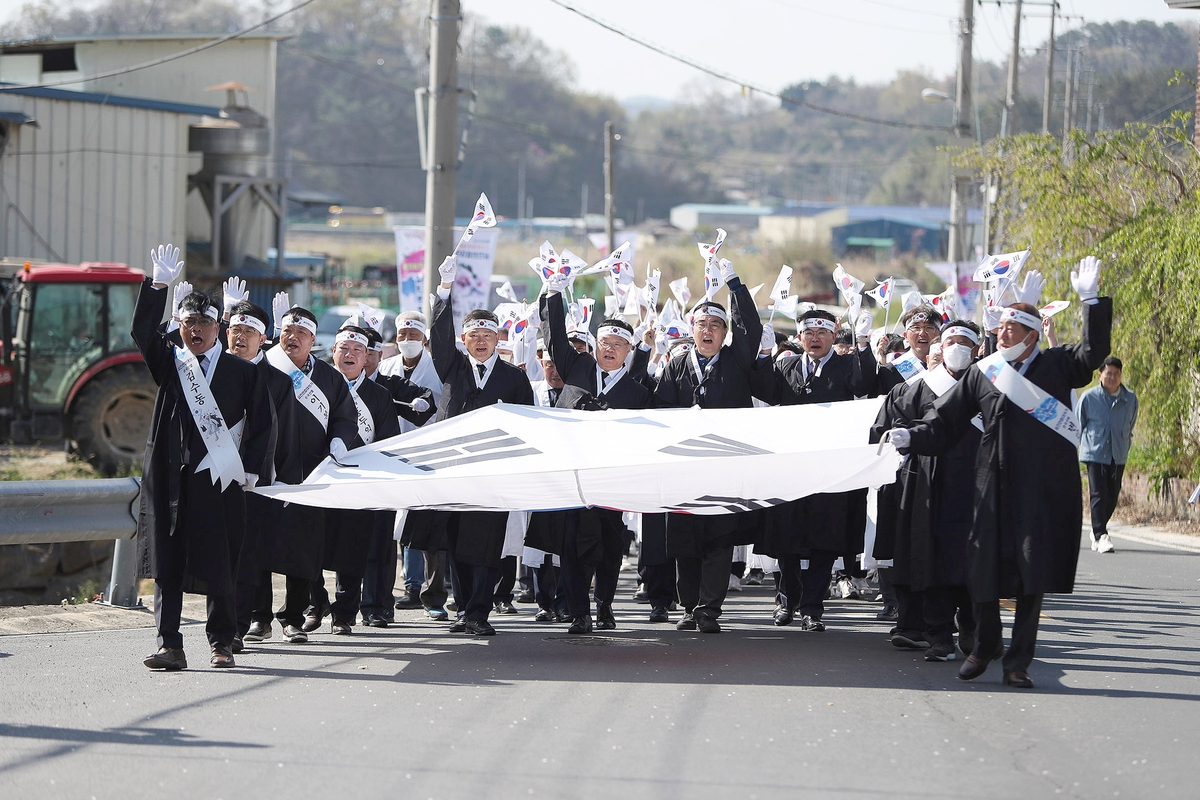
(279, 306)
(901, 438)
(182, 290)
(862, 325)
(251, 481)
(337, 449)
(991, 317)
(727, 273)
(556, 283)
(1031, 288)
(1086, 278)
(233, 292)
(419, 404)
(767, 343)
(448, 270)
(167, 264)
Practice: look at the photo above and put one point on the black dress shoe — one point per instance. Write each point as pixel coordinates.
(459, 626)
(505, 608)
(313, 619)
(526, 596)
(480, 627)
(170, 659)
(237, 645)
(707, 624)
(409, 600)
(809, 624)
(889, 614)
(972, 668)
(545, 615)
(659, 614)
(581, 624)
(375, 621)
(1018, 680)
(783, 616)
(910, 640)
(339, 627)
(688, 623)
(605, 620)
(221, 657)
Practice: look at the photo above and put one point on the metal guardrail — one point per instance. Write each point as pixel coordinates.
(49, 512)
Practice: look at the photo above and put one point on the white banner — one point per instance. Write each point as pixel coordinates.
(699, 461)
(472, 284)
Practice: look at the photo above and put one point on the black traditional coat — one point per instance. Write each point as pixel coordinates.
(727, 383)
(924, 518)
(189, 532)
(403, 392)
(348, 533)
(1028, 506)
(832, 522)
(480, 538)
(298, 547)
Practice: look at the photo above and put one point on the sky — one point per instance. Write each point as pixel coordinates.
(775, 43)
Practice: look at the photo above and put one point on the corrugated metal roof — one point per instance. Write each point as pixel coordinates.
(715, 208)
(110, 100)
(50, 41)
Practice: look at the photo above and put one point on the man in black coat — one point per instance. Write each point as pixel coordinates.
(473, 379)
(1028, 507)
(924, 530)
(807, 535)
(324, 416)
(209, 436)
(711, 375)
(591, 545)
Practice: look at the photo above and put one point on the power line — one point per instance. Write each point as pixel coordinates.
(859, 21)
(744, 84)
(173, 57)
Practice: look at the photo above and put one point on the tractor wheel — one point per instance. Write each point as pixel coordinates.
(111, 418)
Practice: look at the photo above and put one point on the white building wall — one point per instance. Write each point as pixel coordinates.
(92, 182)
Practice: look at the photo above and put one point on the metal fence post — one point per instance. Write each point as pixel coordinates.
(122, 587)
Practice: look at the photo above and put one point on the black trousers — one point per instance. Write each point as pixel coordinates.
(508, 580)
(948, 608)
(379, 579)
(297, 592)
(803, 590)
(168, 610)
(474, 587)
(577, 576)
(1019, 655)
(433, 590)
(910, 608)
(659, 582)
(347, 595)
(1104, 486)
(547, 589)
(703, 582)
(253, 603)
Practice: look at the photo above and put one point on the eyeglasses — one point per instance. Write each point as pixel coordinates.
(197, 322)
(709, 326)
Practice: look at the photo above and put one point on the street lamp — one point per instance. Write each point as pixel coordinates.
(934, 95)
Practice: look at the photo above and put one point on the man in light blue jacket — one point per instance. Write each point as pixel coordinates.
(1107, 414)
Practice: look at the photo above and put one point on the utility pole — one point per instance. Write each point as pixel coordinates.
(442, 157)
(610, 188)
(1014, 59)
(1069, 94)
(1048, 95)
(962, 129)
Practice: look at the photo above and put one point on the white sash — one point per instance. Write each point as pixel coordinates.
(1032, 399)
(941, 381)
(694, 360)
(308, 393)
(223, 461)
(366, 425)
(909, 367)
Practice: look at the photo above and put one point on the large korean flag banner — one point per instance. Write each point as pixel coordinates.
(689, 460)
(472, 284)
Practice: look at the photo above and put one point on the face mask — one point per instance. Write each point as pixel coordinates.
(410, 348)
(1011, 354)
(956, 357)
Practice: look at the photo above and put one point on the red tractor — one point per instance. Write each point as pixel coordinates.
(68, 366)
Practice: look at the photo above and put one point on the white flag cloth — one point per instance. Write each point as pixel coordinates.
(482, 218)
(882, 294)
(847, 284)
(783, 286)
(679, 288)
(694, 460)
(1002, 267)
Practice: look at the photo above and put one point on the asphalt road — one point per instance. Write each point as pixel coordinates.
(649, 712)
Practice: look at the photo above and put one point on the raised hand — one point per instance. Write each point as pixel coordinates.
(167, 264)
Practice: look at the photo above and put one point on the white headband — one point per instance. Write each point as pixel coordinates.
(376, 347)
(481, 323)
(922, 316)
(710, 311)
(248, 321)
(818, 322)
(351, 336)
(959, 330)
(613, 330)
(411, 323)
(1022, 317)
(210, 312)
(303, 322)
